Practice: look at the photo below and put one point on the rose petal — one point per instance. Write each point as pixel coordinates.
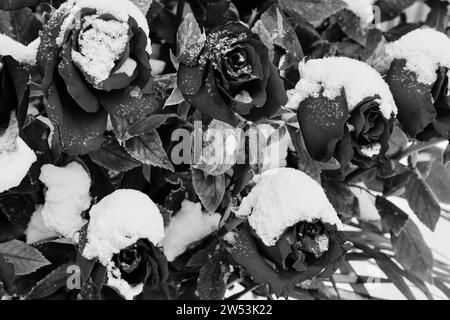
(81, 132)
(276, 97)
(76, 86)
(415, 108)
(208, 101)
(322, 123)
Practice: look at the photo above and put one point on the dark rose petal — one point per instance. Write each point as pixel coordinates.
(117, 81)
(81, 132)
(209, 101)
(276, 97)
(415, 107)
(139, 53)
(322, 123)
(245, 253)
(344, 149)
(440, 90)
(76, 86)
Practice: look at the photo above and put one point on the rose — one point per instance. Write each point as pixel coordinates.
(418, 79)
(93, 53)
(292, 233)
(345, 110)
(230, 73)
(125, 244)
(140, 264)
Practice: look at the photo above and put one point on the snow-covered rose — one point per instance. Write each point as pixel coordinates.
(93, 54)
(418, 79)
(345, 110)
(292, 232)
(123, 232)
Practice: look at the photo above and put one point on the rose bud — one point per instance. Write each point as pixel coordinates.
(94, 59)
(418, 78)
(230, 76)
(123, 232)
(292, 233)
(345, 110)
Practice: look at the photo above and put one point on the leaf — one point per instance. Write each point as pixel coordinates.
(412, 252)
(439, 181)
(398, 141)
(147, 125)
(350, 24)
(393, 216)
(25, 258)
(392, 8)
(18, 209)
(210, 189)
(112, 156)
(283, 35)
(341, 197)
(305, 162)
(17, 4)
(176, 97)
(422, 201)
(149, 150)
(51, 283)
(212, 280)
(438, 16)
(6, 274)
(188, 34)
(313, 11)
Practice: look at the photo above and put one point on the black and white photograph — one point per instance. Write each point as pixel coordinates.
(260, 153)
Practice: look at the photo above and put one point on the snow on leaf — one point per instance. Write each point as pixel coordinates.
(50, 284)
(188, 34)
(25, 258)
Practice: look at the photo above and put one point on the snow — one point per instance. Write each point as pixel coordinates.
(116, 282)
(21, 53)
(367, 210)
(127, 67)
(118, 221)
(359, 80)
(14, 164)
(66, 198)
(424, 51)
(280, 199)
(371, 150)
(120, 9)
(37, 230)
(243, 97)
(189, 225)
(363, 9)
(101, 46)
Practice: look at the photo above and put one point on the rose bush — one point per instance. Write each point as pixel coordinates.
(91, 53)
(230, 73)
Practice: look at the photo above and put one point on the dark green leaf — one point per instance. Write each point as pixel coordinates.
(17, 4)
(210, 189)
(51, 283)
(113, 156)
(24, 257)
(149, 150)
(313, 11)
(422, 201)
(412, 252)
(393, 216)
(283, 35)
(212, 280)
(147, 125)
(392, 8)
